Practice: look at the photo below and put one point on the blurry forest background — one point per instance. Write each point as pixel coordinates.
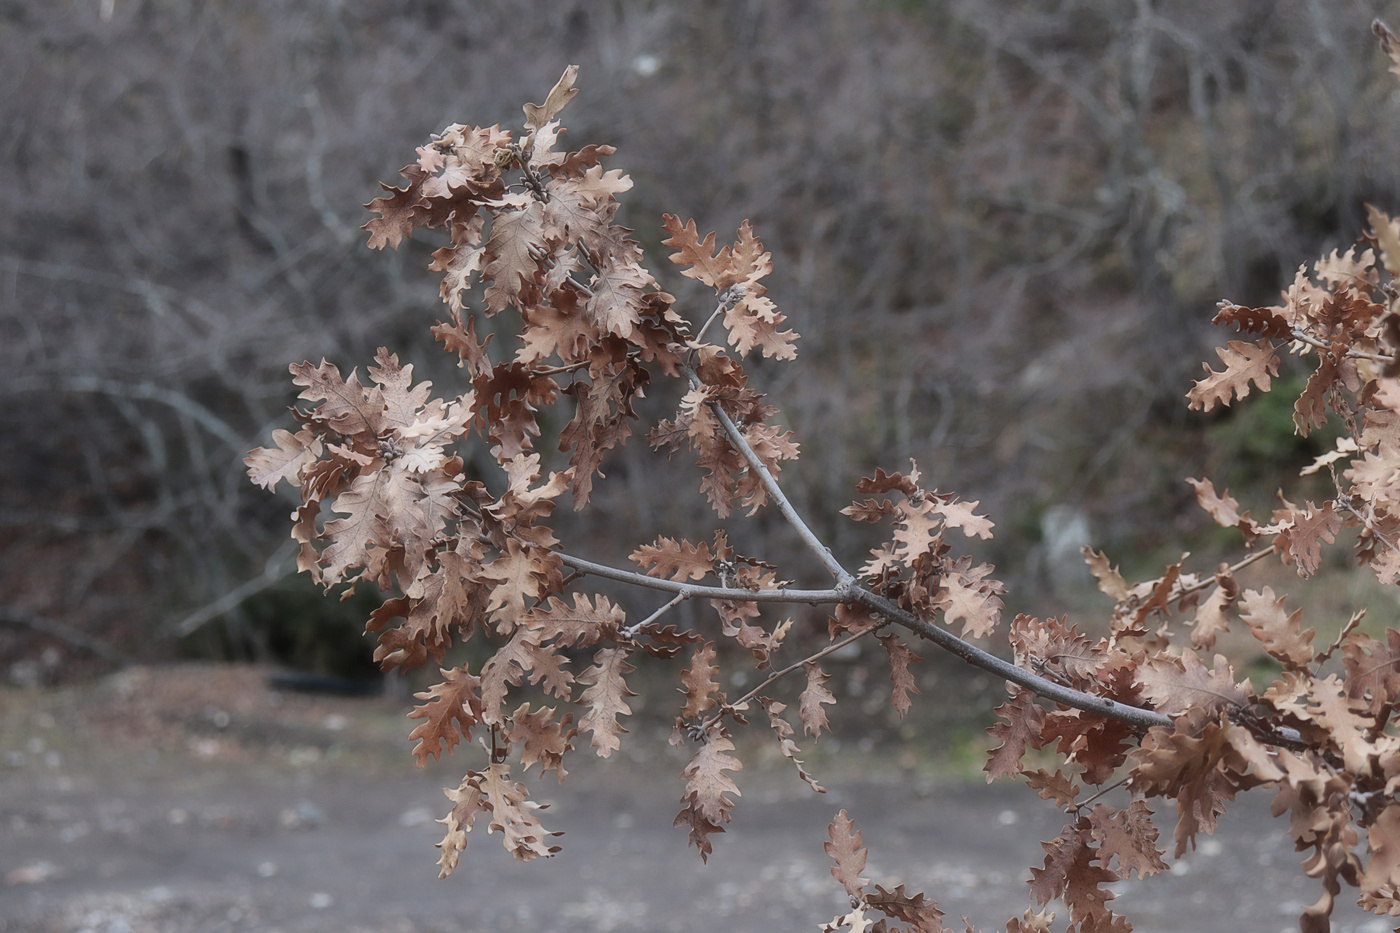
(1000, 227)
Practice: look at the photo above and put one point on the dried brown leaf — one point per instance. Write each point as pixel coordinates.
(1245, 363)
(809, 704)
(844, 847)
(606, 699)
(456, 701)
(698, 682)
(1024, 720)
(900, 658)
(707, 789)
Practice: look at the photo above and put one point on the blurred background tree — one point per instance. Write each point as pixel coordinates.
(1000, 227)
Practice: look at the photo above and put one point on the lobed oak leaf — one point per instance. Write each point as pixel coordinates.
(705, 266)
(460, 263)
(844, 847)
(771, 445)
(871, 510)
(702, 427)
(1128, 835)
(596, 185)
(475, 148)
(748, 259)
(698, 683)
(462, 341)
(1059, 650)
(1343, 317)
(666, 641)
(957, 514)
(520, 574)
(604, 413)
(920, 912)
(558, 327)
(1096, 744)
(1212, 615)
(707, 789)
(1266, 322)
(1356, 270)
(304, 532)
(882, 564)
(1345, 448)
(1245, 363)
(786, 745)
(575, 164)
(1372, 669)
(537, 115)
(541, 739)
(734, 619)
(1382, 875)
(365, 504)
(574, 216)
(902, 681)
(1310, 410)
(1383, 229)
(398, 214)
(1029, 922)
(1111, 582)
(753, 321)
(918, 529)
(1280, 633)
(813, 697)
(883, 482)
(1176, 685)
(538, 147)
(1087, 900)
(581, 625)
(513, 814)
(848, 619)
(1348, 730)
(1152, 597)
(675, 560)
(1058, 787)
(467, 803)
(450, 599)
(294, 453)
(606, 699)
(522, 505)
(521, 656)
(1302, 532)
(854, 922)
(1376, 477)
(979, 610)
(507, 399)
(455, 191)
(721, 463)
(429, 159)
(454, 701)
(1187, 762)
(1224, 509)
(346, 406)
(1378, 428)
(1062, 855)
(1024, 721)
(508, 258)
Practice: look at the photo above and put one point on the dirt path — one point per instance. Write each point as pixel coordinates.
(301, 817)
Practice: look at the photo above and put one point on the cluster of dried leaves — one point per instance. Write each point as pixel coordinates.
(1142, 711)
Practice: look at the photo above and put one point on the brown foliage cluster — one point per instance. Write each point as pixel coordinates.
(1139, 713)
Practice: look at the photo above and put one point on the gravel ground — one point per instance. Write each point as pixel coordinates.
(179, 801)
